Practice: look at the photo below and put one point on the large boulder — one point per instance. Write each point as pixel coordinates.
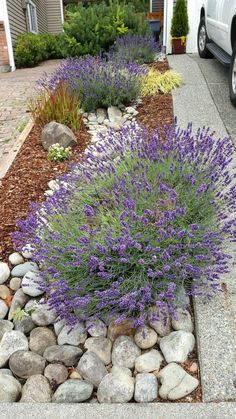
(55, 133)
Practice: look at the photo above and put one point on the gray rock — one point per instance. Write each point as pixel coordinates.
(130, 110)
(101, 115)
(184, 321)
(124, 328)
(149, 361)
(40, 339)
(19, 300)
(4, 272)
(24, 325)
(56, 374)
(182, 299)
(96, 328)
(15, 259)
(160, 323)
(124, 352)
(43, 315)
(36, 390)
(176, 382)
(91, 368)
(53, 185)
(92, 117)
(3, 309)
(73, 391)
(6, 371)
(69, 355)
(55, 133)
(5, 326)
(146, 388)
(10, 389)
(145, 337)
(177, 346)
(114, 115)
(15, 283)
(101, 347)
(23, 268)
(11, 342)
(31, 305)
(116, 388)
(58, 326)
(26, 363)
(27, 251)
(31, 284)
(75, 337)
(121, 370)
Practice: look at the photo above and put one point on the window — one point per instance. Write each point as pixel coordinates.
(32, 16)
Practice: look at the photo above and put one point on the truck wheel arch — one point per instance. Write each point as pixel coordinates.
(233, 32)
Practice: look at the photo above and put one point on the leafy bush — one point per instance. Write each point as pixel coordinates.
(121, 236)
(179, 24)
(57, 152)
(98, 82)
(154, 82)
(135, 48)
(59, 105)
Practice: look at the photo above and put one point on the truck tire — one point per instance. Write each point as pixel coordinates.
(232, 77)
(202, 40)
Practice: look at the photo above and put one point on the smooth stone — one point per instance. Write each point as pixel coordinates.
(177, 346)
(3, 309)
(116, 388)
(124, 352)
(114, 114)
(31, 284)
(73, 391)
(31, 305)
(18, 302)
(11, 342)
(36, 390)
(96, 328)
(91, 368)
(145, 337)
(92, 117)
(56, 374)
(10, 389)
(130, 110)
(184, 321)
(5, 326)
(181, 298)
(55, 133)
(4, 272)
(40, 339)
(58, 326)
(25, 325)
(15, 283)
(23, 268)
(4, 292)
(26, 363)
(146, 388)
(176, 382)
(106, 122)
(121, 370)
(69, 355)
(124, 328)
(76, 336)
(27, 251)
(101, 347)
(75, 375)
(6, 371)
(43, 316)
(149, 361)
(15, 259)
(53, 185)
(160, 323)
(101, 115)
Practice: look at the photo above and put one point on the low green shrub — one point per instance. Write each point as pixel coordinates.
(57, 152)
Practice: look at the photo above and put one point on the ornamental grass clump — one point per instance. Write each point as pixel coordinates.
(135, 48)
(155, 82)
(124, 234)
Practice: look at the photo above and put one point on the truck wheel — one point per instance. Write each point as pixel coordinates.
(202, 40)
(232, 77)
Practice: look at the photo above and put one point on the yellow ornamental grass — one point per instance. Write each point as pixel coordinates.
(154, 82)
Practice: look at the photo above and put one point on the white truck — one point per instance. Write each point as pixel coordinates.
(217, 36)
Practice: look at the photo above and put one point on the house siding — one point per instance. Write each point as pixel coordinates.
(17, 18)
(41, 7)
(54, 16)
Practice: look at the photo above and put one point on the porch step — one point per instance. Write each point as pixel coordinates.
(219, 53)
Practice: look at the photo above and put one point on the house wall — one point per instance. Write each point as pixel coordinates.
(54, 16)
(41, 6)
(4, 57)
(17, 18)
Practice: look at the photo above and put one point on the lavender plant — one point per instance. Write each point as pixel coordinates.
(135, 48)
(124, 232)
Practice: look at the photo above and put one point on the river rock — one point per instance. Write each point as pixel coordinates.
(116, 369)
(40, 339)
(101, 115)
(55, 133)
(124, 352)
(36, 390)
(124, 328)
(73, 391)
(6, 371)
(43, 315)
(177, 346)
(26, 363)
(58, 326)
(32, 283)
(56, 374)
(24, 325)
(15, 283)
(27, 251)
(91, 368)
(184, 321)
(176, 382)
(69, 355)
(114, 115)
(19, 300)
(15, 259)
(4, 272)
(4, 292)
(146, 388)
(11, 342)
(96, 328)
(75, 336)
(115, 388)
(3, 309)
(145, 337)
(159, 322)
(10, 389)
(5, 326)
(23, 268)
(100, 346)
(149, 361)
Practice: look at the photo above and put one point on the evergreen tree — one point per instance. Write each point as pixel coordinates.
(179, 25)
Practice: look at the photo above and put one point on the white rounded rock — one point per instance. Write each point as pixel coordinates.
(16, 258)
(10, 389)
(75, 336)
(145, 337)
(15, 283)
(176, 382)
(3, 309)
(31, 284)
(124, 352)
(27, 251)
(149, 361)
(100, 346)
(96, 328)
(177, 345)
(184, 321)
(11, 342)
(116, 388)
(4, 272)
(146, 388)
